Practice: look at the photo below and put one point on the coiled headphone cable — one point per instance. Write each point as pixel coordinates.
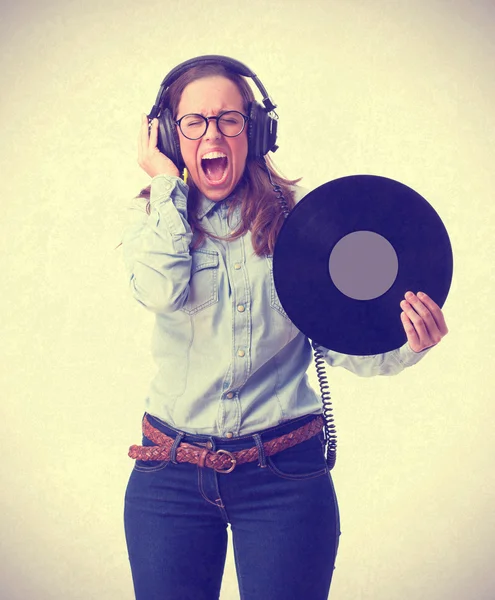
(329, 429)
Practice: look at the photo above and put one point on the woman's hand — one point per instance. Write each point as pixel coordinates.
(423, 321)
(150, 159)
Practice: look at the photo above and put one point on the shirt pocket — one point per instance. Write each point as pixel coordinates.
(203, 284)
(274, 300)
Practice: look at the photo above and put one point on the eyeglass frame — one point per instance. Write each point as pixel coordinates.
(207, 120)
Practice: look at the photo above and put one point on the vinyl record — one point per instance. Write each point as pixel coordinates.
(347, 254)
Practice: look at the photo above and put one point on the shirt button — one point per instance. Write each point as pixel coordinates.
(237, 266)
(241, 353)
(241, 307)
(230, 395)
(229, 434)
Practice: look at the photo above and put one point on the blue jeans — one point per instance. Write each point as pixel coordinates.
(282, 511)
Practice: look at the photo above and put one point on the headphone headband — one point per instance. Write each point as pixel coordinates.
(210, 59)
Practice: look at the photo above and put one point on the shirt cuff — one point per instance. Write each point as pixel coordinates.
(168, 187)
(407, 356)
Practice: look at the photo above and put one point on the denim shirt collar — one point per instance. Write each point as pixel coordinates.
(205, 205)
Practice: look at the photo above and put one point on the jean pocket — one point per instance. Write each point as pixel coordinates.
(274, 299)
(203, 283)
(303, 461)
(150, 466)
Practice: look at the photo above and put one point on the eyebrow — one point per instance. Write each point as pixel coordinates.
(214, 114)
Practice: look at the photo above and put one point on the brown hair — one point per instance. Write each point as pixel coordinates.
(260, 210)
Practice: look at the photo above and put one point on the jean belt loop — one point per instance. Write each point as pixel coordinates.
(174, 447)
(261, 450)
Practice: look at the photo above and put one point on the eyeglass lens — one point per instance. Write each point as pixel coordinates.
(230, 124)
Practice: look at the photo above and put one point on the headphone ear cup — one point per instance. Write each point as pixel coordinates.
(262, 131)
(254, 133)
(168, 140)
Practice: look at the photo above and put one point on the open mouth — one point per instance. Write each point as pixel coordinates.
(214, 165)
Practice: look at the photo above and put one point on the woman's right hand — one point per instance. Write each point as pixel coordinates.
(150, 159)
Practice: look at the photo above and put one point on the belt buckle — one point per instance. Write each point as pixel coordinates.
(232, 458)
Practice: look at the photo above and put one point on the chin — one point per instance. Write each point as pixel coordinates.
(216, 194)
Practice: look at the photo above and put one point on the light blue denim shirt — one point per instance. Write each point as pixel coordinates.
(229, 359)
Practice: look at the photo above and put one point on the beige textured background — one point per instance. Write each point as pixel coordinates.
(404, 89)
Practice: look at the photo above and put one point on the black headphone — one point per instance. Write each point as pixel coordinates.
(262, 124)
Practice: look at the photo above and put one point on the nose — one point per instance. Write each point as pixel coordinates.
(212, 131)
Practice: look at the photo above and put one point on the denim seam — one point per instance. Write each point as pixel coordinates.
(212, 300)
(277, 387)
(275, 303)
(213, 294)
(186, 372)
(159, 467)
(238, 570)
(220, 506)
(295, 477)
(338, 531)
(200, 486)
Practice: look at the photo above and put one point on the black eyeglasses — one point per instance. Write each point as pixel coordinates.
(230, 123)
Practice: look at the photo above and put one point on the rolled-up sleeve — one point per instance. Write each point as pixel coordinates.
(388, 363)
(156, 247)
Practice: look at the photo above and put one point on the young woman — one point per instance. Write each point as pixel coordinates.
(232, 433)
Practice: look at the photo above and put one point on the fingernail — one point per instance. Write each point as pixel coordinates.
(420, 295)
(409, 294)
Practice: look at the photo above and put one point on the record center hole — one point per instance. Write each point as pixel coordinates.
(363, 265)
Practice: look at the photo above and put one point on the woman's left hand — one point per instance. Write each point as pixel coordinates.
(423, 321)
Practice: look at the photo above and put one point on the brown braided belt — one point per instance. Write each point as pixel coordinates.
(221, 460)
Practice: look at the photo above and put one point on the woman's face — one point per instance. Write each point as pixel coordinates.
(208, 97)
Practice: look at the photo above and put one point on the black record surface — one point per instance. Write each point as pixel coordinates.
(359, 203)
